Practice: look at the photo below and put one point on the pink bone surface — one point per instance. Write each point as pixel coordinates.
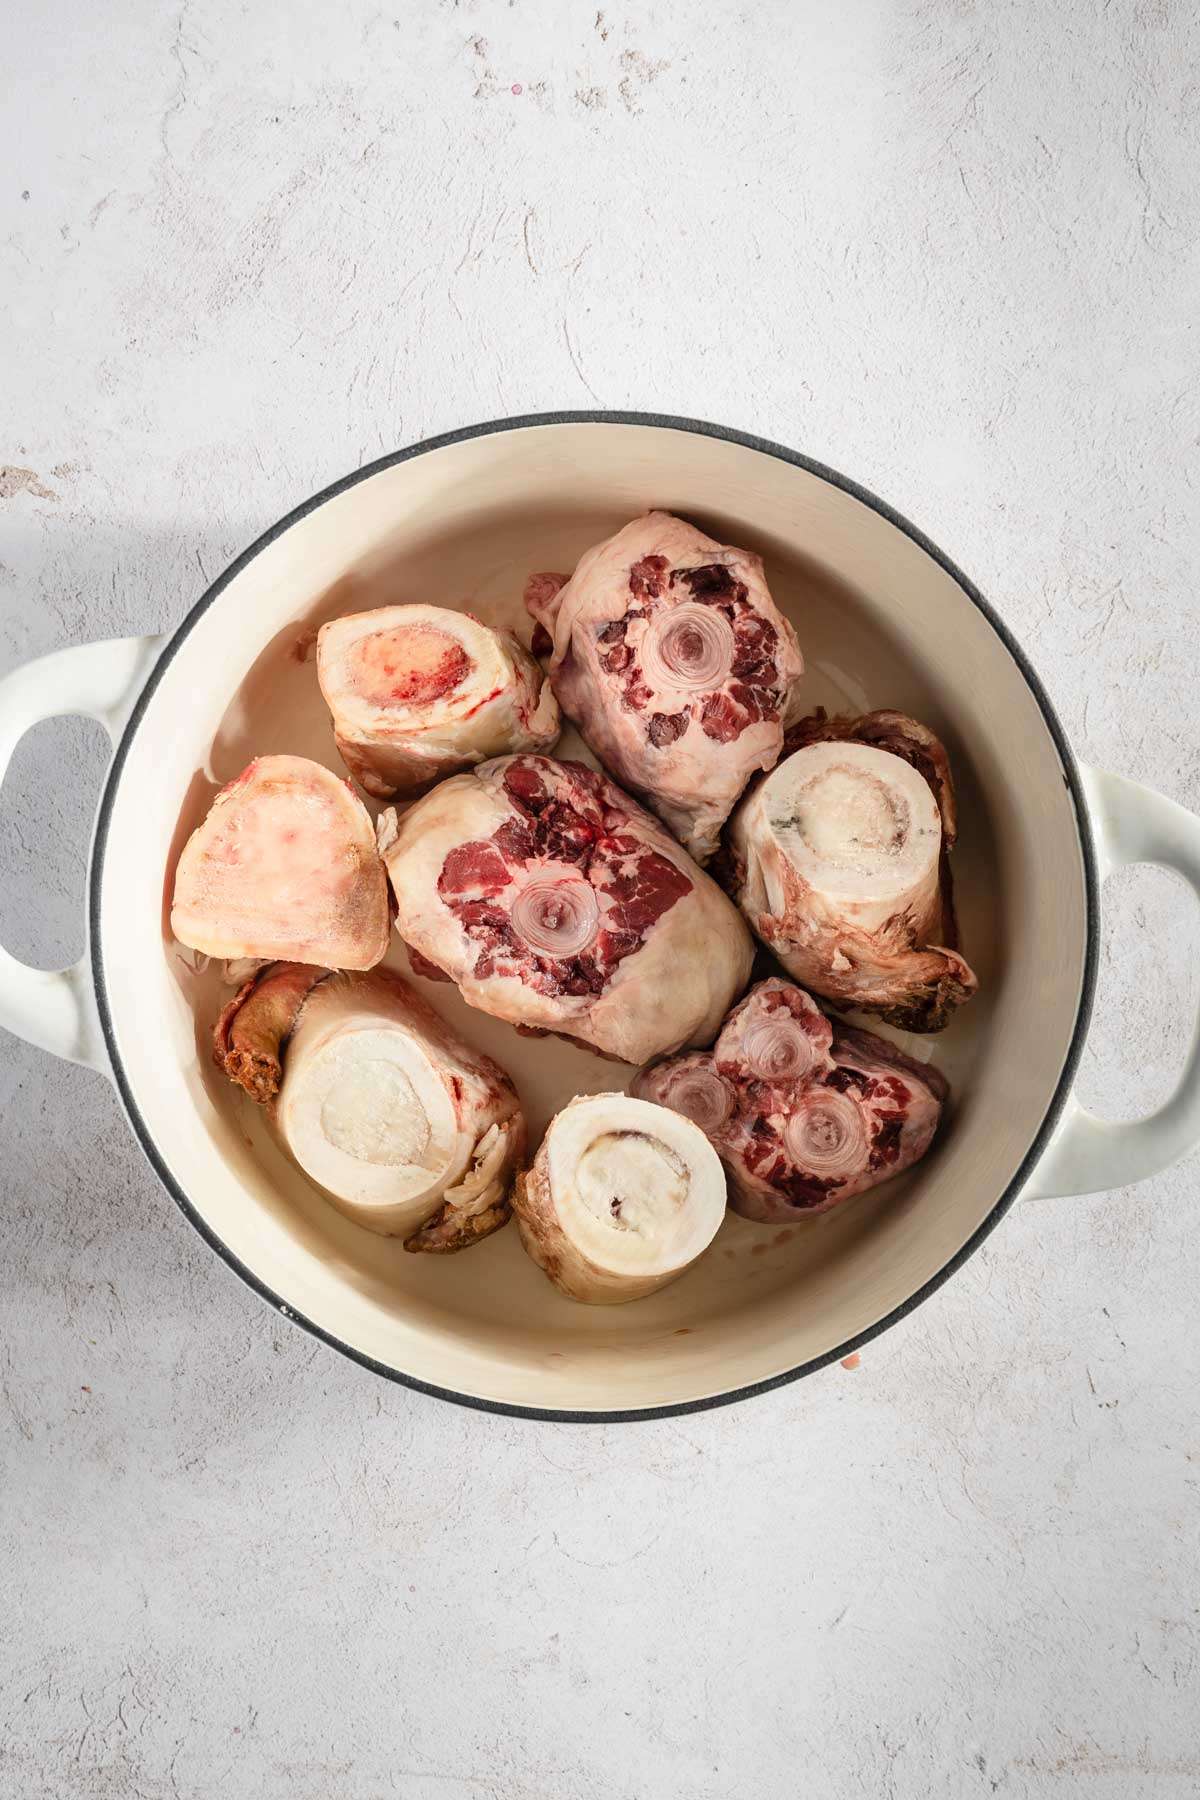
(284, 867)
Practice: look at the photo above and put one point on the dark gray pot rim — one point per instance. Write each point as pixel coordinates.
(1070, 769)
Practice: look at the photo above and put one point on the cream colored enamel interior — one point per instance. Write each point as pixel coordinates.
(880, 624)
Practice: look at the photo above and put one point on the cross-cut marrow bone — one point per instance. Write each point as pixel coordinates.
(622, 1197)
(804, 1112)
(418, 692)
(840, 861)
(409, 1130)
(284, 867)
(673, 660)
(556, 902)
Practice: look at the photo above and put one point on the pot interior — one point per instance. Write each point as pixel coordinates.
(881, 623)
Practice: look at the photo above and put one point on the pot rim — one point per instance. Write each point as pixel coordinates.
(766, 447)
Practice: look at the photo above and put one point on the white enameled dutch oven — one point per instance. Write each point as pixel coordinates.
(884, 620)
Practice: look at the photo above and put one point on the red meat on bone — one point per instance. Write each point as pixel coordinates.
(803, 1111)
(556, 902)
(668, 652)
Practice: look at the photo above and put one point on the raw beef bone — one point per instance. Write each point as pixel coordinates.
(803, 1111)
(556, 902)
(284, 867)
(410, 1131)
(840, 861)
(418, 692)
(676, 665)
(622, 1197)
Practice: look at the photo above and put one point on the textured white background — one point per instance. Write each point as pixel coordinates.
(951, 249)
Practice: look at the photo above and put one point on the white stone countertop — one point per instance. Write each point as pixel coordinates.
(948, 248)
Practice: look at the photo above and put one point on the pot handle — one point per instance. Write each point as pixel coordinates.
(1087, 1155)
(55, 1008)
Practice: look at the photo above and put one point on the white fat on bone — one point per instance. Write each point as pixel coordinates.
(622, 1197)
(391, 1113)
(284, 868)
(418, 692)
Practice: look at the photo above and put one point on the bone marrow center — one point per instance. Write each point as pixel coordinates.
(627, 1179)
(691, 646)
(778, 1049)
(846, 816)
(412, 665)
(371, 1112)
(701, 1096)
(556, 918)
(825, 1136)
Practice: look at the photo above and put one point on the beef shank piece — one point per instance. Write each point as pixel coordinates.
(840, 861)
(409, 1130)
(674, 662)
(284, 867)
(556, 902)
(622, 1197)
(804, 1112)
(418, 692)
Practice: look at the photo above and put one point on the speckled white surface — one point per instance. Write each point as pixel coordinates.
(950, 249)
